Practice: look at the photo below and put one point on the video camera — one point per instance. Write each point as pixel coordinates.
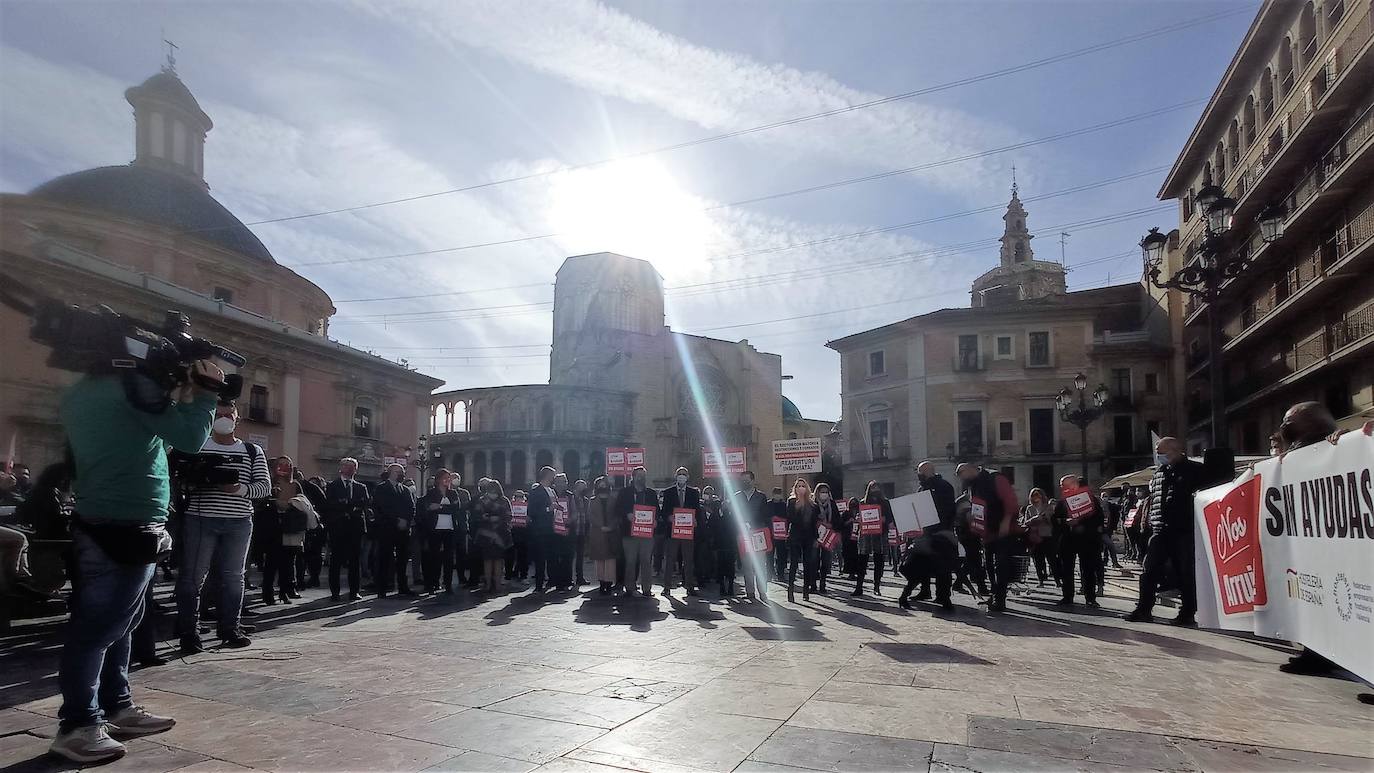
(153, 360)
(202, 470)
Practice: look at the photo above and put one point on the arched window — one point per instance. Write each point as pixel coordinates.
(1307, 36)
(1266, 100)
(499, 417)
(572, 464)
(546, 416)
(438, 419)
(498, 466)
(1233, 143)
(1286, 74)
(1219, 162)
(542, 458)
(479, 464)
(1248, 120)
(519, 472)
(595, 466)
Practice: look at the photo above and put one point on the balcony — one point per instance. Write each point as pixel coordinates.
(1353, 329)
(262, 415)
(1196, 358)
(886, 454)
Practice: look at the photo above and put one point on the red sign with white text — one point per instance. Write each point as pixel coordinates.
(779, 528)
(730, 461)
(1078, 502)
(684, 523)
(756, 541)
(615, 462)
(519, 516)
(978, 516)
(871, 520)
(826, 537)
(1233, 536)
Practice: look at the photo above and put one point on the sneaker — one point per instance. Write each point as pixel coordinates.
(87, 744)
(135, 720)
(235, 641)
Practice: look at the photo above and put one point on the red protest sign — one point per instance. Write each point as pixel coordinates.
(728, 461)
(560, 516)
(1135, 514)
(634, 457)
(519, 516)
(842, 505)
(779, 528)
(893, 537)
(826, 537)
(615, 462)
(642, 523)
(756, 541)
(1233, 536)
(684, 523)
(978, 516)
(871, 520)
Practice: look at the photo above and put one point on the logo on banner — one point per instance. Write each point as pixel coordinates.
(1344, 596)
(1233, 535)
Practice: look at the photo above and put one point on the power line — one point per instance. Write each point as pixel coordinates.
(810, 189)
(1003, 72)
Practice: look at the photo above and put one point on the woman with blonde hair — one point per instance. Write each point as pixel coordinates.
(802, 517)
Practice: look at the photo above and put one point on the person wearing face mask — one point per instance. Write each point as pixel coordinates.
(286, 515)
(1079, 539)
(777, 511)
(492, 535)
(561, 547)
(217, 530)
(871, 546)
(705, 547)
(581, 500)
(603, 534)
(828, 514)
(685, 497)
(540, 533)
(749, 511)
(936, 552)
(1038, 521)
(395, 508)
(347, 505)
(639, 550)
(1171, 519)
(802, 516)
(994, 510)
(723, 537)
(439, 516)
(518, 554)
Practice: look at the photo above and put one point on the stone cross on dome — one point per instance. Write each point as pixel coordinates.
(172, 49)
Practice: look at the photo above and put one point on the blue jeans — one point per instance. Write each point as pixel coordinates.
(223, 544)
(94, 671)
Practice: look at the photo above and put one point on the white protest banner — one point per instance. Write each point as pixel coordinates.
(915, 512)
(730, 461)
(1287, 551)
(792, 457)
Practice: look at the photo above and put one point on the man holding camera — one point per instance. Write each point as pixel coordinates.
(218, 527)
(122, 494)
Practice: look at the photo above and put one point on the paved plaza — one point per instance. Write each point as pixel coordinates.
(585, 683)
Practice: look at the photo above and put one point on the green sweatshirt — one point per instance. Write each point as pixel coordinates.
(121, 452)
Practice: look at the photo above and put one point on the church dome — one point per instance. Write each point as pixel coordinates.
(790, 412)
(160, 198)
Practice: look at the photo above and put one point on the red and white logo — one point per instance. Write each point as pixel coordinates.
(1233, 535)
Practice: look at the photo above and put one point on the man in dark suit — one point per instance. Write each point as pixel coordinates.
(345, 520)
(1171, 518)
(541, 499)
(679, 495)
(747, 508)
(638, 551)
(395, 506)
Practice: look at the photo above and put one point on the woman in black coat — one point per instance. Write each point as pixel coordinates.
(802, 517)
(872, 545)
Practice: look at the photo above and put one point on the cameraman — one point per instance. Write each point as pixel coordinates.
(122, 494)
(217, 529)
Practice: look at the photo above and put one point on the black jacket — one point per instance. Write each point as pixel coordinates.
(801, 521)
(455, 504)
(393, 501)
(943, 493)
(753, 506)
(1090, 525)
(690, 499)
(625, 503)
(541, 510)
(347, 503)
(1171, 496)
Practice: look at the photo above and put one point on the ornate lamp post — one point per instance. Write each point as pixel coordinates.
(426, 456)
(1204, 277)
(1082, 414)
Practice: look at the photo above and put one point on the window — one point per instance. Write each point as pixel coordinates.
(970, 433)
(363, 425)
(1009, 473)
(257, 403)
(968, 353)
(1121, 382)
(1123, 435)
(1006, 431)
(877, 363)
(223, 295)
(1042, 477)
(1004, 347)
(1152, 383)
(889, 489)
(877, 438)
(1042, 430)
(1039, 347)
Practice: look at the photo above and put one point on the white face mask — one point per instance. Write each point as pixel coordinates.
(224, 425)
(682, 480)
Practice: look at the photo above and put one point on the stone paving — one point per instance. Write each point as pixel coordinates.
(565, 682)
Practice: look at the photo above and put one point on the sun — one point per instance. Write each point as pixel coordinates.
(634, 207)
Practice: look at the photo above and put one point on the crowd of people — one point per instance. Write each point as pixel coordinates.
(228, 507)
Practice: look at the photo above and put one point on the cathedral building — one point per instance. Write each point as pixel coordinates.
(619, 377)
(979, 383)
(147, 237)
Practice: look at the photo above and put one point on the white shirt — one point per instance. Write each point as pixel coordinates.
(445, 522)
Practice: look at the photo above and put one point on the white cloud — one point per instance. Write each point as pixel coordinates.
(611, 53)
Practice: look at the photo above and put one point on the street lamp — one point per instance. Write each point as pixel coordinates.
(1203, 279)
(1082, 414)
(426, 456)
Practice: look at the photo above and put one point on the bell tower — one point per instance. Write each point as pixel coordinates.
(1016, 240)
(1018, 275)
(169, 125)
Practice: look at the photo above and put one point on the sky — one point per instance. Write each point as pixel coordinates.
(532, 130)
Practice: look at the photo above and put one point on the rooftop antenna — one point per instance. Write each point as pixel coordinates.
(172, 48)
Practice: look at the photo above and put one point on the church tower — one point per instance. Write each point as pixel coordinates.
(1018, 275)
(169, 125)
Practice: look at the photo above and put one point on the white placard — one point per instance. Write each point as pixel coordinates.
(915, 512)
(791, 457)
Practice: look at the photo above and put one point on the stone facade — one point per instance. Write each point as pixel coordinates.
(148, 237)
(979, 384)
(618, 374)
(1292, 125)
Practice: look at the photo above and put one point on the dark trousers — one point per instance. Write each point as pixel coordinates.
(393, 553)
(439, 557)
(999, 566)
(1046, 556)
(971, 571)
(1169, 549)
(800, 551)
(537, 543)
(518, 556)
(943, 582)
(345, 549)
(780, 554)
(559, 549)
(877, 558)
(579, 552)
(1109, 549)
(725, 568)
(314, 556)
(278, 568)
(1087, 549)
